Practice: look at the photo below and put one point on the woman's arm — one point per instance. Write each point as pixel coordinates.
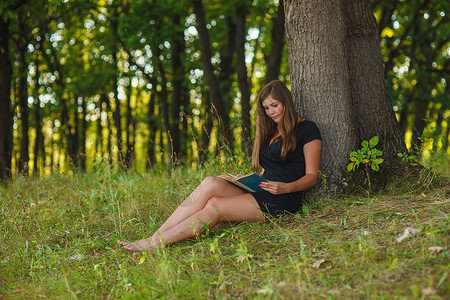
(311, 152)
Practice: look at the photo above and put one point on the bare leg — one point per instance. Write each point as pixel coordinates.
(196, 201)
(237, 208)
(210, 187)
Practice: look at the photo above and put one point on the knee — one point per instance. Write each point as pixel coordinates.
(211, 182)
(213, 205)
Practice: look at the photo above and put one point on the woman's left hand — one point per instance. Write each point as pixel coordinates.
(275, 187)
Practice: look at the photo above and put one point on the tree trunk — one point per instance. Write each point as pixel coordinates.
(117, 114)
(273, 60)
(178, 75)
(82, 153)
(39, 140)
(315, 34)
(206, 131)
(129, 127)
(23, 96)
(211, 80)
(151, 155)
(241, 69)
(337, 80)
(6, 121)
(370, 98)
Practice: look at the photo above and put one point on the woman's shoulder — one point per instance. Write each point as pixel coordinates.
(307, 131)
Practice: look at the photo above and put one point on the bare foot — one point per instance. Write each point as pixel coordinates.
(138, 246)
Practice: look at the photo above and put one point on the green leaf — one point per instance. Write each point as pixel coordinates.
(365, 144)
(365, 161)
(393, 264)
(374, 167)
(352, 158)
(373, 141)
(401, 154)
(350, 167)
(377, 161)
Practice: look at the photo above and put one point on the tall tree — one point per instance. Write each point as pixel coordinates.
(273, 59)
(211, 79)
(5, 100)
(337, 80)
(241, 69)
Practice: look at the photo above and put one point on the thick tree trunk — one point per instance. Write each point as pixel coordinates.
(316, 33)
(241, 69)
(5, 102)
(370, 99)
(214, 90)
(337, 80)
(273, 60)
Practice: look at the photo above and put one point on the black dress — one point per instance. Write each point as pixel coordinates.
(289, 170)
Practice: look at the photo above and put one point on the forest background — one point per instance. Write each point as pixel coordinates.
(125, 81)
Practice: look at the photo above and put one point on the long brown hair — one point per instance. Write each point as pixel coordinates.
(266, 127)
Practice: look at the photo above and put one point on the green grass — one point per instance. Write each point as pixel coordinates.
(59, 240)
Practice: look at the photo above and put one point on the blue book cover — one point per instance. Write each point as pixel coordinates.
(249, 182)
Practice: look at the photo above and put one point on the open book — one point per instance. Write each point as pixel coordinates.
(249, 182)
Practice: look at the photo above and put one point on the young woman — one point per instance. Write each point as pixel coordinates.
(287, 147)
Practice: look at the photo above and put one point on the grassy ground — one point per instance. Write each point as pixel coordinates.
(59, 240)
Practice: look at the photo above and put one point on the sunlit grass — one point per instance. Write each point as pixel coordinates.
(59, 240)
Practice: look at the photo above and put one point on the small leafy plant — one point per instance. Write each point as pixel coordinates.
(368, 155)
(407, 158)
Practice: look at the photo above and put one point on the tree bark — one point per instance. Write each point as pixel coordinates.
(370, 98)
(178, 78)
(241, 69)
(39, 140)
(117, 114)
(214, 90)
(129, 127)
(5, 102)
(316, 34)
(82, 153)
(151, 155)
(337, 81)
(23, 167)
(273, 60)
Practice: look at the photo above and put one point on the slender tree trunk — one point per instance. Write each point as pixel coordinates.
(206, 130)
(151, 155)
(178, 75)
(129, 127)
(211, 80)
(241, 68)
(39, 140)
(273, 60)
(163, 98)
(99, 136)
(227, 68)
(75, 137)
(82, 153)
(117, 114)
(23, 167)
(6, 121)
